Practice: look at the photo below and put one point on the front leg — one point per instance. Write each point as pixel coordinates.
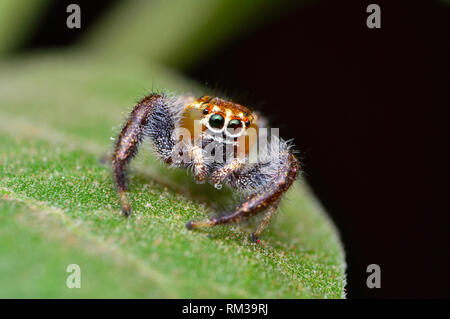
(260, 201)
(127, 145)
(198, 162)
(219, 176)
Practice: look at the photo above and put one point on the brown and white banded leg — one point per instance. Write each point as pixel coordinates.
(270, 212)
(258, 202)
(128, 142)
(198, 162)
(219, 176)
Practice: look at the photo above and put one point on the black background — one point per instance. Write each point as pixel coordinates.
(367, 110)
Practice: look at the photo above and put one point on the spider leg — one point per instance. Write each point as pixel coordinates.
(199, 167)
(127, 145)
(221, 174)
(260, 201)
(271, 211)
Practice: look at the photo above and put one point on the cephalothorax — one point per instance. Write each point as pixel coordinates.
(216, 139)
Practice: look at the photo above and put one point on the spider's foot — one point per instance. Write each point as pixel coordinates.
(217, 180)
(200, 174)
(125, 203)
(254, 238)
(192, 224)
(126, 211)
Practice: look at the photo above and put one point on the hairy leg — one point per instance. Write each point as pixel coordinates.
(271, 211)
(219, 176)
(199, 167)
(127, 145)
(258, 202)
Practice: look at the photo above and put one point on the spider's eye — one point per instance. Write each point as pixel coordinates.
(247, 123)
(216, 121)
(234, 126)
(205, 111)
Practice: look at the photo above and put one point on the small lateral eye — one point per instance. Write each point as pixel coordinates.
(247, 123)
(205, 111)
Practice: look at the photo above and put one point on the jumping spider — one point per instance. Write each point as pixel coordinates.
(218, 148)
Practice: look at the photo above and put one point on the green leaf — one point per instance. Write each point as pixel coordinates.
(58, 204)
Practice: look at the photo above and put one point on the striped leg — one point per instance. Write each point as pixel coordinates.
(254, 204)
(271, 211)
(127, 145)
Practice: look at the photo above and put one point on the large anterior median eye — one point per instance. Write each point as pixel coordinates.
(216, 121)
(234, 127)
